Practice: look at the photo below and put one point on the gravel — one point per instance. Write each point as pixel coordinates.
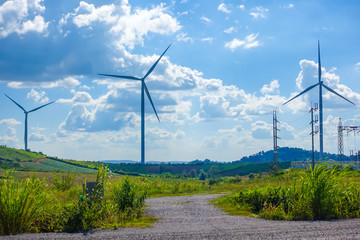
(193, 217)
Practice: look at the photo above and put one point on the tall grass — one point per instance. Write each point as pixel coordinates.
(21, 202)
(314, 194)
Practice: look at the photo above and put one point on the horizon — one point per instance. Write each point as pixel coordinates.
(230, 64)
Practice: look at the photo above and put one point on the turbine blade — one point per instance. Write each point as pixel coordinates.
(35, 109)
(153, 66)
(308, 89)
(330, 90)
(152, 104)
(118, 76)
(319, 61)
(16, 103)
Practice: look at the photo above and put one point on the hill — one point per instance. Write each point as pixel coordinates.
(11, 158)
(286, 154)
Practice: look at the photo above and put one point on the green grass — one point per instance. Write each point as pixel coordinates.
(55, 165)
(326, 192)
(18, 155)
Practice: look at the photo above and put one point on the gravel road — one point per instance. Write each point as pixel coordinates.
(193, 217)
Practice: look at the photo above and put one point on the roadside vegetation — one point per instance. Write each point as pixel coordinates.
(325, 192)
(52, 201)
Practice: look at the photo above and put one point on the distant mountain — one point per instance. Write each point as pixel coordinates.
(287, 154)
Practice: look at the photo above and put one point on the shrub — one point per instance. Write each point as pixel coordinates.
(88, 210)
(128, 199)
(65, 183)
(21, 202)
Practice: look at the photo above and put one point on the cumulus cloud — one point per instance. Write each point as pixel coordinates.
(9, 122)
(37, 96)
(248, 42)
(261, 130)
(68, 82)
(10, 136)
(38, 137)
(224, 8)
(308, 76)
(259, 12)
(22, 16)
(128, 26)
(270, 88)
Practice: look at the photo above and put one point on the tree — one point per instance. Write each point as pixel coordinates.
(202, 174)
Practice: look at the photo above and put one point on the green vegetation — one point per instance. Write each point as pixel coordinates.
(52, 165)
(325, 192)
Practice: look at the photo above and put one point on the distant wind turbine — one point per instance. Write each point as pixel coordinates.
(321, 85)
(143, 88)
(26, 118)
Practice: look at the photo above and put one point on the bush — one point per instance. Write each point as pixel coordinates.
(21, 202)
(320, 193)
(88, 210)
(128, 199)
(65, 183)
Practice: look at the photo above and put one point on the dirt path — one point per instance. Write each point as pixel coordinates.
(192, 217)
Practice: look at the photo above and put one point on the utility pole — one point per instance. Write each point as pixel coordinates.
(275, 137)
(312, 110)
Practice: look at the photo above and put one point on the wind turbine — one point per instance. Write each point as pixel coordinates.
(26, 117)
(321, 85)
(143, 89)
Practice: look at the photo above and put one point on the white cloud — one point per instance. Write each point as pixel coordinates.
(223, 8)
(205, 19)
(308, 76)
(38, 137)
(37, 96)
(15, 17)
(183, 37)
(92, 14)
(68, 82)
(248, 42)
(259, 12)
(290, 5)
(273, 87)
(10, 136)
(357, 66)
(208, 39)
(229, 30)
(241, 6)
(128, 27)
(261, 130)
(9, 122)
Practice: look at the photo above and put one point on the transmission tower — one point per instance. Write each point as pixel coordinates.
(340, 141)
(275, 137)
(312, 110)
(348, 129)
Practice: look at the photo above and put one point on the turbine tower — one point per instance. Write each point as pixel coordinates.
(321, 85)
(143, 89)
(26, 118)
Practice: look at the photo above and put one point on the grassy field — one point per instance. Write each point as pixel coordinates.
(52, 165)
(61, 205)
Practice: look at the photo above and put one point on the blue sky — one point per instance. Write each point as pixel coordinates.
(231, 63)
